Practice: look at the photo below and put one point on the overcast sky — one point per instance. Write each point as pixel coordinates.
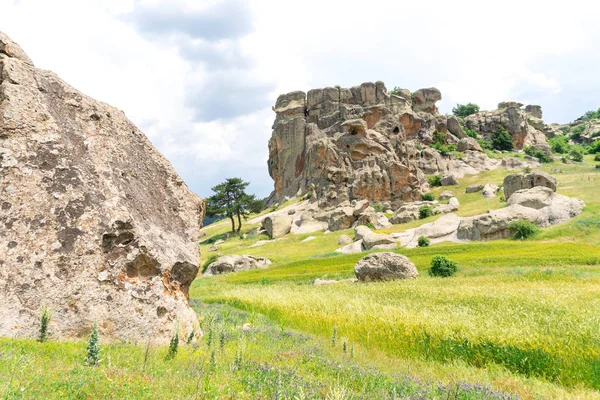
(199, 77)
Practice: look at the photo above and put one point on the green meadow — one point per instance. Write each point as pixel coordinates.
(520, 319)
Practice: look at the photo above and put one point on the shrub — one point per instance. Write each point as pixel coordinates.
(173, 346)
(424, 212)
(444, 150)
(441, 266)
(423, 241)
(594, 148)
(470, 133)
(597, 157)
(542, 157)
(378, 207)
(45, 318)
(427, 197)
(591, 115)
(396, 90)
(522, 229)
(502, 140)
(576, 153)
(485, 143)
(559, 144)
(439, 137)
(464, 110)
(434, 180)
(577, 131)
(597, 166)
(93, 348)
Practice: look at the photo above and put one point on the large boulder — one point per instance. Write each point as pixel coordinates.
(410, 211)
(425, 99)
(468, 143)
(235, 263)
(96, 223)
(385, 267)
(490, 190)
(371, 239)
(494, 224)
(344, 240)
(449, 180)
(515, 182)
(554, 208)
(277, 225)
(474, 188)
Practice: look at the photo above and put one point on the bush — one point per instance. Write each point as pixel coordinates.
(522, 229)
(502, 140)
(396, 90)
(470, 133)
(427, 197)
(597, 166)
(576, 153)
(577, 132)
(559, 144)
(594, 148)
(424, 212)
(423, 241)
(439, 137)
(378, 207)
(464, 110)
(444, 150)
(597, 157)
(485, 143)
(441, 266)
(591, 115)
(174, 345)
(434, 180)
(542, 157)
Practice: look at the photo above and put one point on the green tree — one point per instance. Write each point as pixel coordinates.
(464, 110)
(502, 140)
(231, 200)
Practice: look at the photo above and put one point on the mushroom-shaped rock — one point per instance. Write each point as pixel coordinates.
(425, 99)
(385, 267)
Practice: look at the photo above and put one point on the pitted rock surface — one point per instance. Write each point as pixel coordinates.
(94, 221)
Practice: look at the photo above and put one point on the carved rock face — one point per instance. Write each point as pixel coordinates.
(95, 223)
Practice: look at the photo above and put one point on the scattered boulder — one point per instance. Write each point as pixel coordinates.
(515, 182)
(344, 240)
(554, 208)
(410, 211)
(214, 247)
(452, 206)
(474, 188)
(371, 239)
(385, 267)
(512, 163)
(277, 225)
(449, 180)
(455, 128)
(352, 248)
(96, 223)
(446, 195)
(468, 143)
(490, 190)
(235, 263)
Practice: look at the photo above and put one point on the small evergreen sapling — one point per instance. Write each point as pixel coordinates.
(93, 348)
(173, 346)
(45, 318)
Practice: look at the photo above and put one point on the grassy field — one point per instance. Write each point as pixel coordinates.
(521, 319)
(528, 308)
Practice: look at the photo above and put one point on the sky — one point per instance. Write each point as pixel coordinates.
(200, 77)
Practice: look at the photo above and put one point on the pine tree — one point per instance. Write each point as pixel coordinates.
(173, 346)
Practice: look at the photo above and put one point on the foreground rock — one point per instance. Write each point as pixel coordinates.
(235, 263)
(277, 225)
(515, 182)
(385, 267)
(96, 224)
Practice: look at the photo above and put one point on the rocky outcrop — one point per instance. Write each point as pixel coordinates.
(235, 263)
(468, 143)
(363, 143)
(372, 240)
(385, 267)
(524, 126)
(515, 182)
(95, 223)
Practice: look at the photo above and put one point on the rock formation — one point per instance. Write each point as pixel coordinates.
(525, 125)
(385, 267)
(363, 143)
(95, 223)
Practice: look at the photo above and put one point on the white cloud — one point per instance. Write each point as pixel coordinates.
(203, 96)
